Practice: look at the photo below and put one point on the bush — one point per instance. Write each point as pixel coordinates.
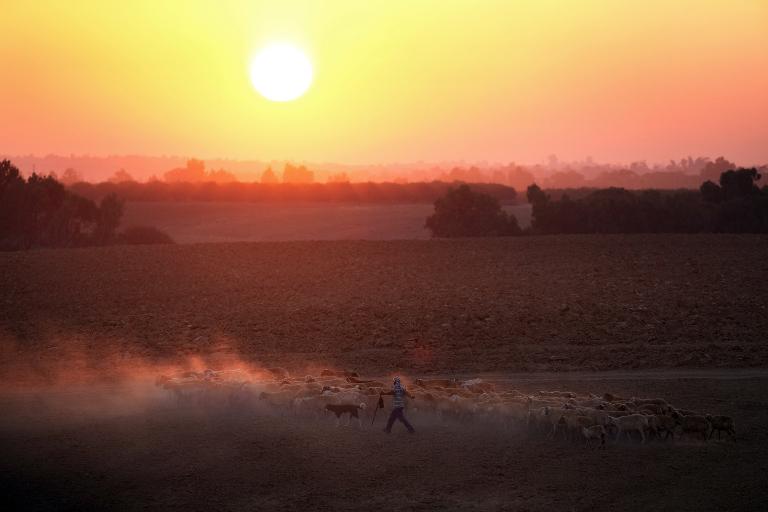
(462, 212)
(142, 235)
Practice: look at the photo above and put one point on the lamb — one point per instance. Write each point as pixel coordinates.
(594, 432)
(633, 422)
(722, 423)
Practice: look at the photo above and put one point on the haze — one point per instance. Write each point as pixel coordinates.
(401, 82)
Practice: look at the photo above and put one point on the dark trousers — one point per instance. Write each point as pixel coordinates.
(397, 414)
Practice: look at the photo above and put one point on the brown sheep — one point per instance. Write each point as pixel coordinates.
(278, 373)
(594, 432)
(694, 425)
(722, 424)
(660, 423)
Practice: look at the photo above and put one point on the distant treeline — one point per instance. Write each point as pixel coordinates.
(425, 192)
(735, 205)
(39, 211)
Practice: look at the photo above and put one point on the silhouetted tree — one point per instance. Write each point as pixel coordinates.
(71, 176)
(297, 174)
(712, 170)
(711, 192)
(736, 205)
(193, 172)
(40, 212)
(739, 183)
(269, 176)
(464, 213)
(110, 213)
(120, 176)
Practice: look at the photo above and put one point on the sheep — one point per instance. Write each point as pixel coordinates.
(557, 394)
(660, 423)
(694, 425)
(313, 405)
(652, 409)
(430, 383)
(609, 397)
(633, 422)
(278, 373)
(281, 400)
(335, 373)
(594, 432)
(574, 424)
(722, 423)
(645, 401)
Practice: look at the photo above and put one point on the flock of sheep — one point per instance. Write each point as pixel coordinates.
(589, 418)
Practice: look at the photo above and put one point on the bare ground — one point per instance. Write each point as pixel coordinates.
(523, 304)
(104, 448)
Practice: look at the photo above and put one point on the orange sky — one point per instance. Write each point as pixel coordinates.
(395, 81)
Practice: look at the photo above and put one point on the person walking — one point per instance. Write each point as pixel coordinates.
(398, 406)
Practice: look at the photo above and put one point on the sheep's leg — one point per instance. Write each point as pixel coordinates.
(642, 436)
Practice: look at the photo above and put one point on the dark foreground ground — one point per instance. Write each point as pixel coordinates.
(521, 304)
(124, 449)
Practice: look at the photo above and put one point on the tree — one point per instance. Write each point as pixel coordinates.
(110, 213)
(713, 170)
(194, 172)
(711, 192)
(739, 183)
(338, 178)
(121, 176)
(71, 176)
(41, 212)
(269, 176)
(297, 174)
(464, 213)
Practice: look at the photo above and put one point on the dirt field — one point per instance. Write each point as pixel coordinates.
(74, 435)
(134, 449)
(523, 304)
(203, 222)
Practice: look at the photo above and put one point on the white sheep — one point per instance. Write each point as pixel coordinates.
(630, 423)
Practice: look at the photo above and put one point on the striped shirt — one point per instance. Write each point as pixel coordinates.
(398, 397)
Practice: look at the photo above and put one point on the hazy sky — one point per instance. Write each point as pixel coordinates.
(394, 80)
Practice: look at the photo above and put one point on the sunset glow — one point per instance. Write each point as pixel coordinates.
(401, 82)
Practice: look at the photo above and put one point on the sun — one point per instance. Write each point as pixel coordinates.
(281, 72)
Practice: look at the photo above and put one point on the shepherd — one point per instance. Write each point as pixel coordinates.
(398, 406)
